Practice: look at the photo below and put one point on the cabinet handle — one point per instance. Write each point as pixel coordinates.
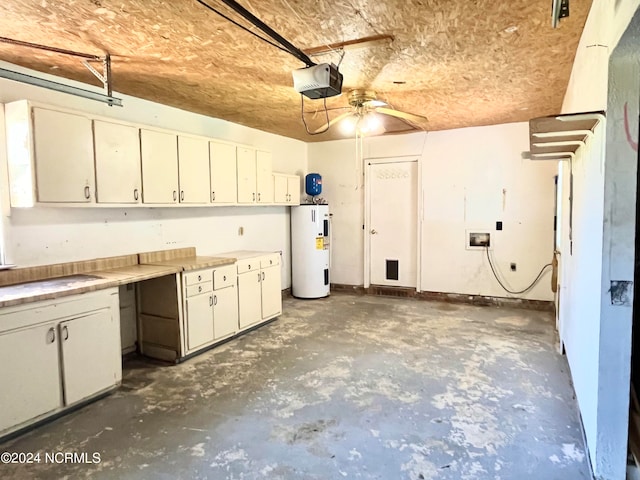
(65, 331)
(213, 196)
(210, 301)
(254, 196)
(215, 299)
(259, 276)
(135, 194)
(199, 289)
(263, 276)
(258, 196)
(249, 266)
(51, 335)
(182, 195)
(175, 195)
(87, 192)
(199, 277)
(224, 278)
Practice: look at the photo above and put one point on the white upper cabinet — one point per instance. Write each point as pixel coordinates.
(264, 177)
(222, 158)
(246, 175)
(280, 188)
(193, 165)
(159, 166)
(59, 156)
(255, 178)
(50, 155)
(286, 189)
(64, 157)
(293, 188)
(117, 151)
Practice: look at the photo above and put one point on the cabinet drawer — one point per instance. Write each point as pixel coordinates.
(203, 287)
(248, 265)
(198, 276)
(224, 277)
(270, 260)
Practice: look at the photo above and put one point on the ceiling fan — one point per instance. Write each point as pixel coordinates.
(363, 116)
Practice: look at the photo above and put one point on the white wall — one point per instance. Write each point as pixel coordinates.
(472, 178)
(464, 174)
(597, 334)
(49, 235)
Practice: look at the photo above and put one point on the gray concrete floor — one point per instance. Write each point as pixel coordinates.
(344, 387)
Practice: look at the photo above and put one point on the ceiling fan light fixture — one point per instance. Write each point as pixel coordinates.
(348, 125)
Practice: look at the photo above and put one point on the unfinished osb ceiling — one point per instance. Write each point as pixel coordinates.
(458, 62)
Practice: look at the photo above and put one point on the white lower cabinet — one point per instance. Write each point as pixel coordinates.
(259, 288)
(31, 374)
(199, 320)
(183, 314)
(249, 304)
(225, 312)
(57, 353)
(271, 292)
(90, 360)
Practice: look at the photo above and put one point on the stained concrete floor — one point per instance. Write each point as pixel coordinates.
(345, 387)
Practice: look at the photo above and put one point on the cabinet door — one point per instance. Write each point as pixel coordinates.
(225, 312)
(30, 374)
(264, 177)
(224, 185)
(117, 150)
(293, 188)
(63, 145)
(159, 167)
(90, 354)
(199, 317)
(193, 166)
(280, 194)
(271, 292)
(246, 175)
(249, 310)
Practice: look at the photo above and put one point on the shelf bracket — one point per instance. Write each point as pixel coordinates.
(104, 77)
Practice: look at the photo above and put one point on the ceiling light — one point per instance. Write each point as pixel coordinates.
(348, 125)
(372, 121)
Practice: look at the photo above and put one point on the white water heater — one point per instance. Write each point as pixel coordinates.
(310, 251)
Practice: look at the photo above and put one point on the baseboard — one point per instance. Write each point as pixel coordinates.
(340, 287)
(481, 300)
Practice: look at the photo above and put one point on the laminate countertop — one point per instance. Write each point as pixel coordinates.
(52, 288)
(185, 264)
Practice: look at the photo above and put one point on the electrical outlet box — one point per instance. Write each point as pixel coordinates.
(479, 239)
(498, 225)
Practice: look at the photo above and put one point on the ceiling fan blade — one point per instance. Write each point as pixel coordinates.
(333, 121)
(410, 117)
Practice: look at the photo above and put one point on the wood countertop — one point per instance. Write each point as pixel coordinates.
(52, 288)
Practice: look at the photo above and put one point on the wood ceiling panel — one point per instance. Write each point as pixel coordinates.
(463, 63)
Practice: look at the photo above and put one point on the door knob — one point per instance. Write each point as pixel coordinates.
(373, 231)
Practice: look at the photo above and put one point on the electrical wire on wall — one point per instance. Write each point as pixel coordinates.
(531, 285)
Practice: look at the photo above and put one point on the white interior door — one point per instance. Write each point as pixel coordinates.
(393, 223)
